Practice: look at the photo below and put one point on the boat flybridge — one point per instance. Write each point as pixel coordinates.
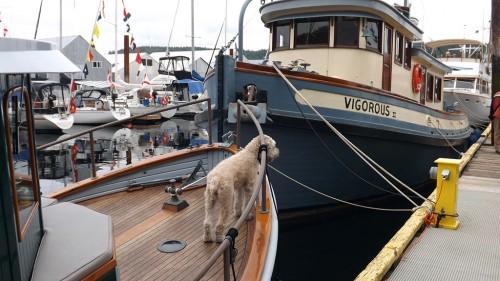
(140, 221)
(468, 87)
(361, 64)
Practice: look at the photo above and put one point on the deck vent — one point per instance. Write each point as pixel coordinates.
(171, 246)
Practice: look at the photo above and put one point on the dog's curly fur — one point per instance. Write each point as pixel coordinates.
(229, 187)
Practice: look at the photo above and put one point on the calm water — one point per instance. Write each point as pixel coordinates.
(335, 246)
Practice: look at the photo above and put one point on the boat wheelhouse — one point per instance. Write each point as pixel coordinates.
(97, 106)
(468, 87)
(360, 64)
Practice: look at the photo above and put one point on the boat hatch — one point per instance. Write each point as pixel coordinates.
(171, 246)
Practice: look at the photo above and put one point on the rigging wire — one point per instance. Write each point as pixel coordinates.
(167, 51)
(215, 47)
(370, 162)
(338, 199)
(38, 19)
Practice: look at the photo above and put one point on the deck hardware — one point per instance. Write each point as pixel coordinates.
(175, 203)
(446, 197)
(171, 246)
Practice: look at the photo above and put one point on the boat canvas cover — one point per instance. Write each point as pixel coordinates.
(194, 86)
(95, 84)
(47, 61)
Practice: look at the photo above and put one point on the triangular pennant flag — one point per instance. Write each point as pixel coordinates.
(138, 58)
(85, 71)
(128, 27)
(92, 43)
(90, 56)
(96, 32)
(99, 16)
(73, 86)
(5, 30)
(132, 43)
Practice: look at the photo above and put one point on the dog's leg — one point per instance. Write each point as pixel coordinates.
(225, 212)
(239, 204)
(208, 235)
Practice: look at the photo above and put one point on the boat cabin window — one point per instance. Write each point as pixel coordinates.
(281, 35)
(312, 32)
(465, 83)
(407, 53)
(18, 125)
(449, 83)
(147, 62)
(437, 90)
(429, 90)
(373, 34)
(346, 32)
(398, 55)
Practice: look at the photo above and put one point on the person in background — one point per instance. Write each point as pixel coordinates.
(495, 119)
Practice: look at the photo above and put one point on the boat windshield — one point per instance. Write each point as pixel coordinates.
(449, 83)
(472, 51)
(465, 83)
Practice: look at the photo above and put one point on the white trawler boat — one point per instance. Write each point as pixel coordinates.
(356, 63)
(467, 88)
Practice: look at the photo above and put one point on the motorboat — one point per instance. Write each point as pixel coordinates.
(468, 87)
(97, 106)
(340, 73)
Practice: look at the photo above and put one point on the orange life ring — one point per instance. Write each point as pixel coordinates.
(417, 78)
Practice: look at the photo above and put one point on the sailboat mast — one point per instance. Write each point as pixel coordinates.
(192, 35)
(116, 40)
(60, 24)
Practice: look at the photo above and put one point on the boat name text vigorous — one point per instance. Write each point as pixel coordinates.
(369, 107)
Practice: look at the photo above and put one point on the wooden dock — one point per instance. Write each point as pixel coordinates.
(472, 252)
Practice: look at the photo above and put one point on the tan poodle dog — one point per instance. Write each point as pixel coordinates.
(229, 187)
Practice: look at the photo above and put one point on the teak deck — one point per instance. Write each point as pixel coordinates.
(140, 225)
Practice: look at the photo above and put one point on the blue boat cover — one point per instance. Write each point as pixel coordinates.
(195, 87)
(197, 76)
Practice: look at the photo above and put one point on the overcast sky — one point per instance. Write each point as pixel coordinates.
(152, 20)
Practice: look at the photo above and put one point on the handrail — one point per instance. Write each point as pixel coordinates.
(224, 246)
(118, 122)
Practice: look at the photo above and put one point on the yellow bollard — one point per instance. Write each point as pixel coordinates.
(446, 193)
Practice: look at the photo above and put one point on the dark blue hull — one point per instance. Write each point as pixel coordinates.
(329, 166)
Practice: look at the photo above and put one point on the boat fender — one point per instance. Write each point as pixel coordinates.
(72, 105)
(164, 101)
(417, 78)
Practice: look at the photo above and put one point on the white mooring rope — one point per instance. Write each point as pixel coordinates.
(340, 200)
(365, 158)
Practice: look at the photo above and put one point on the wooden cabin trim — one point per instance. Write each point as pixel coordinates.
(143, 164)
(21, 229)
(331, 81)
(259, 243)
(102, 270)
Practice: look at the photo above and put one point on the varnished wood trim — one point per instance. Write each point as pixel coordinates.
(21, 230)
(103, 270)
(316, 78)
(259, 242)
(141, 165)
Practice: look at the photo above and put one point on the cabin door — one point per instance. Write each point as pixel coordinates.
(387, 63)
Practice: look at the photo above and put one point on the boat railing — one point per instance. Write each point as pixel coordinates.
(92, 141)
(226, 248)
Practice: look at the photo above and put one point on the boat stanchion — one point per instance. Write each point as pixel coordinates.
(174, 203)
(446, 174)
(92, 154)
